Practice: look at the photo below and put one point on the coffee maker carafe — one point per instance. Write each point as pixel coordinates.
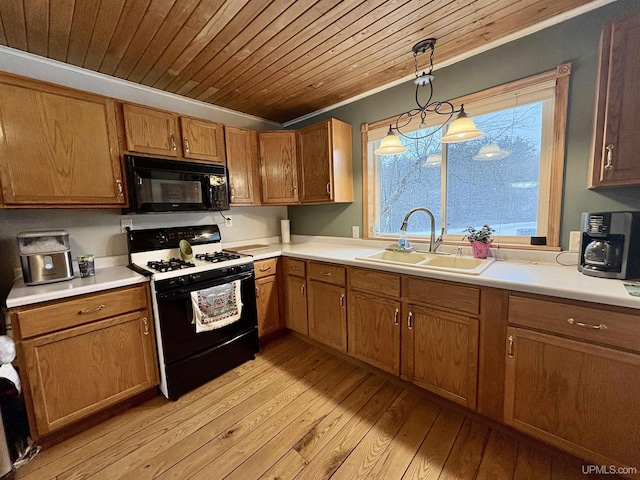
(610, 244)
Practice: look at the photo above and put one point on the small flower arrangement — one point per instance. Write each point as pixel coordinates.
(483, 235)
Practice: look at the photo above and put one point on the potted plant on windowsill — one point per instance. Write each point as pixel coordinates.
(480, 240)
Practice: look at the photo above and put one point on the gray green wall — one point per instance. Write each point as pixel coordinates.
(575, 40)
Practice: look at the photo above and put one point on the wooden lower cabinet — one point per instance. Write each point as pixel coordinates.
(267, 303)
(444, 353)
(296, 304)
(374, 330)
(576, 396)
(82, 370)
(327, 314)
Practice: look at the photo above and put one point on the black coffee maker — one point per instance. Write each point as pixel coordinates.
(610, 245)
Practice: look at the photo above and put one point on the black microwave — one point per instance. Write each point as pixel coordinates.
(163, 185)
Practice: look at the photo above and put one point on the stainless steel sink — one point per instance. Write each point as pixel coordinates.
(431, 261)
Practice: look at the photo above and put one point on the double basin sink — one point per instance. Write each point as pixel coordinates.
(431, 261)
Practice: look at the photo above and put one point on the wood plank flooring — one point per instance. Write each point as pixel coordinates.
(296, 411)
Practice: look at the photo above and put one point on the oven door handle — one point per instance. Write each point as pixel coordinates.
(187, 289)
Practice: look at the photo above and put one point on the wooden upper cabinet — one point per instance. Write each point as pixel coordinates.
(242, 163)
(151, 131)
(278, 167)
(616, 140)
(58, 147)
(167, 134)
(203, 140)
(325, 162)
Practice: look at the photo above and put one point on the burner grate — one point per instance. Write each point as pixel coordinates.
(169, 265)
(217, 257)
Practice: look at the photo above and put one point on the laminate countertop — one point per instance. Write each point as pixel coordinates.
(537, 277)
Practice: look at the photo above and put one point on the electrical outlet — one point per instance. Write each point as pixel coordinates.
(228, 221)
(125, 223)
(574, 240)
(355, 231)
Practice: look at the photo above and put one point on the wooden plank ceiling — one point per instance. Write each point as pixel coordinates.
(277, 59)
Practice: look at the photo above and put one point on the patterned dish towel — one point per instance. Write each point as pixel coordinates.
(216, 307)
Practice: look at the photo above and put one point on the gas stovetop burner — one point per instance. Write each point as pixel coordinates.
(217, 257)
(169, 265)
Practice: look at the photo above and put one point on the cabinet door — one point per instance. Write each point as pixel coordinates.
(616, 141)
(374, 330)
(445, 353)
(267, 302)
(203, 140)
(314, 154)
(151, 131)
(296, 304)
(278, 167)
(58, 147)
(576, 396)
(327, 314)
(79, 371)
(242, 163)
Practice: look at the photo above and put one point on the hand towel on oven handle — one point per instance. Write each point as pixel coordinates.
(216, 307)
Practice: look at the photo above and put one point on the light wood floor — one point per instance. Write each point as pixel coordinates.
(296, 411)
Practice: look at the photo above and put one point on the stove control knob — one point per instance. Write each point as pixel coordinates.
(182, 280)
(194, 277)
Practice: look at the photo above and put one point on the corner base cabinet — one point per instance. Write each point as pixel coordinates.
(84, 354)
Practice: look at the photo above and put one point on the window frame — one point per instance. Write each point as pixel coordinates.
(560, 75)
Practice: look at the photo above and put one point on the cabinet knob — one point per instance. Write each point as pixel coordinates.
(145, 326)
(92, 310)
(186, 145)
(326, 274)
(609, 164)
(602, 326)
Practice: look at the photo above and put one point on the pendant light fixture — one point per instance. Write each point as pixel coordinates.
(460, 130)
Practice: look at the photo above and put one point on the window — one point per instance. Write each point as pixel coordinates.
(511, 178)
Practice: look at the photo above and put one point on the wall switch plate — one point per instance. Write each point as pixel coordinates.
(228, 221)
(355, 231)
(574, 240)
(125, 223)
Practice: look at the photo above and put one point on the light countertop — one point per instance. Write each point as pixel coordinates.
(532, 277)
(104, 279)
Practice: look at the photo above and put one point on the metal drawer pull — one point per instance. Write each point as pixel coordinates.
(264, 269)
(186, 144)
(410, 320)
(342, 300)
(329, 188)
(91, 310)
(510, 349)
(295, 267)
(172, 140)
(602, 326)
(609, 164)
(257, 292)
(233, 191)
(302, 290)
(395, 317)
(145, 324)
(120, 187)
(326, 274)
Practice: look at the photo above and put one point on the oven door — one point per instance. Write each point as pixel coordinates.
(175, 315)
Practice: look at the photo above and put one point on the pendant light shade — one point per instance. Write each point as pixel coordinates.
(390, 145)
(491, 151)
(461, 130)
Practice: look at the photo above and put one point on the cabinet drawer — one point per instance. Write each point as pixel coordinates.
(294, 267)
(375, 281)
(578, 321)
(53, 316)
(327, 273)
(443, 294)
(266, 267)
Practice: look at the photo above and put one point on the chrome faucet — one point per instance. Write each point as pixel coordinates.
(433, 242)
